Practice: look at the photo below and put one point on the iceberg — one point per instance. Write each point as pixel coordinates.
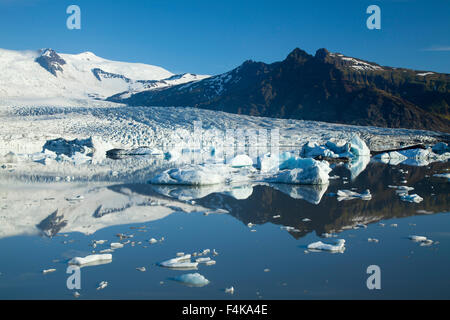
(195, 175)
(320, 246)
(411, 198)
(302, 171)
(183, 262)
(94, 259)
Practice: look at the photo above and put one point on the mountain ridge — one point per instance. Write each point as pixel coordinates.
(326, 86)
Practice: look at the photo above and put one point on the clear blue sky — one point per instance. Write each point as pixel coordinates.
(214, 36)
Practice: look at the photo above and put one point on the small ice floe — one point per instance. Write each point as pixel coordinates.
(206, 251)
(192, 280)
(302, 171)
(349, 195)
(141, 269)
(203, 260)
(116, 245)
(267, 270)
(277, 216)
(229, 290)
(100, 241)
(411, 198)
(183, 262)
(180, 254)
(373, 240)
(107, 251)
(152, 241)
(360, 226)
(401, 189)
(48, 271)
(320, 246)
(382, 224)
(76, 294)
(94, 259)
(250, 225)
(306, 219)
(102, 285)
(394, 225)
(424, 241)
(215, 253)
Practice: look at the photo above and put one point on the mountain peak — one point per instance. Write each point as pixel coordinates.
(50, 61)
(298, 55)
(322, 53)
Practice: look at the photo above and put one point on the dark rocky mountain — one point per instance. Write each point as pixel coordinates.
(325, 87)
(50, 61)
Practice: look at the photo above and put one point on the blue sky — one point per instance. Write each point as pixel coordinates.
(214, 36)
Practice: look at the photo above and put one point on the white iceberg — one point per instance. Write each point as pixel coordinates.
(94, 259)
(411, 198)
(302, 171)
(194, 175)
(183, 262)
(320, 246)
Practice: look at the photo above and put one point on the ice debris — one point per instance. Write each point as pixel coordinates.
(183, 262)
(320, 246)
(91, 259)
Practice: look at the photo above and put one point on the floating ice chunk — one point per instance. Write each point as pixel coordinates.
(100, 241)
(107, 251)
(102, 285)
(277, 216)
(210, 263)
(180, 254)
(91, 259)
(192, 175)
(229, 290)
(312, 150)
(76, 294)
(48, 271)
(303, 171)
(183, 262)
(250, 225)
(411, 198)
(358, 147)
(319, 245)
(393, 158)
(373, 240)
(116, 245)
(349, 195)
(306, 219)
(241, 160)
(142, 269)
(192, 279)
(418, 238)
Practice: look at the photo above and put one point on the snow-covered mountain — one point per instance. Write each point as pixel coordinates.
(45, 75)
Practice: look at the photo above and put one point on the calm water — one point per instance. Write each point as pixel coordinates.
(269, 263)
